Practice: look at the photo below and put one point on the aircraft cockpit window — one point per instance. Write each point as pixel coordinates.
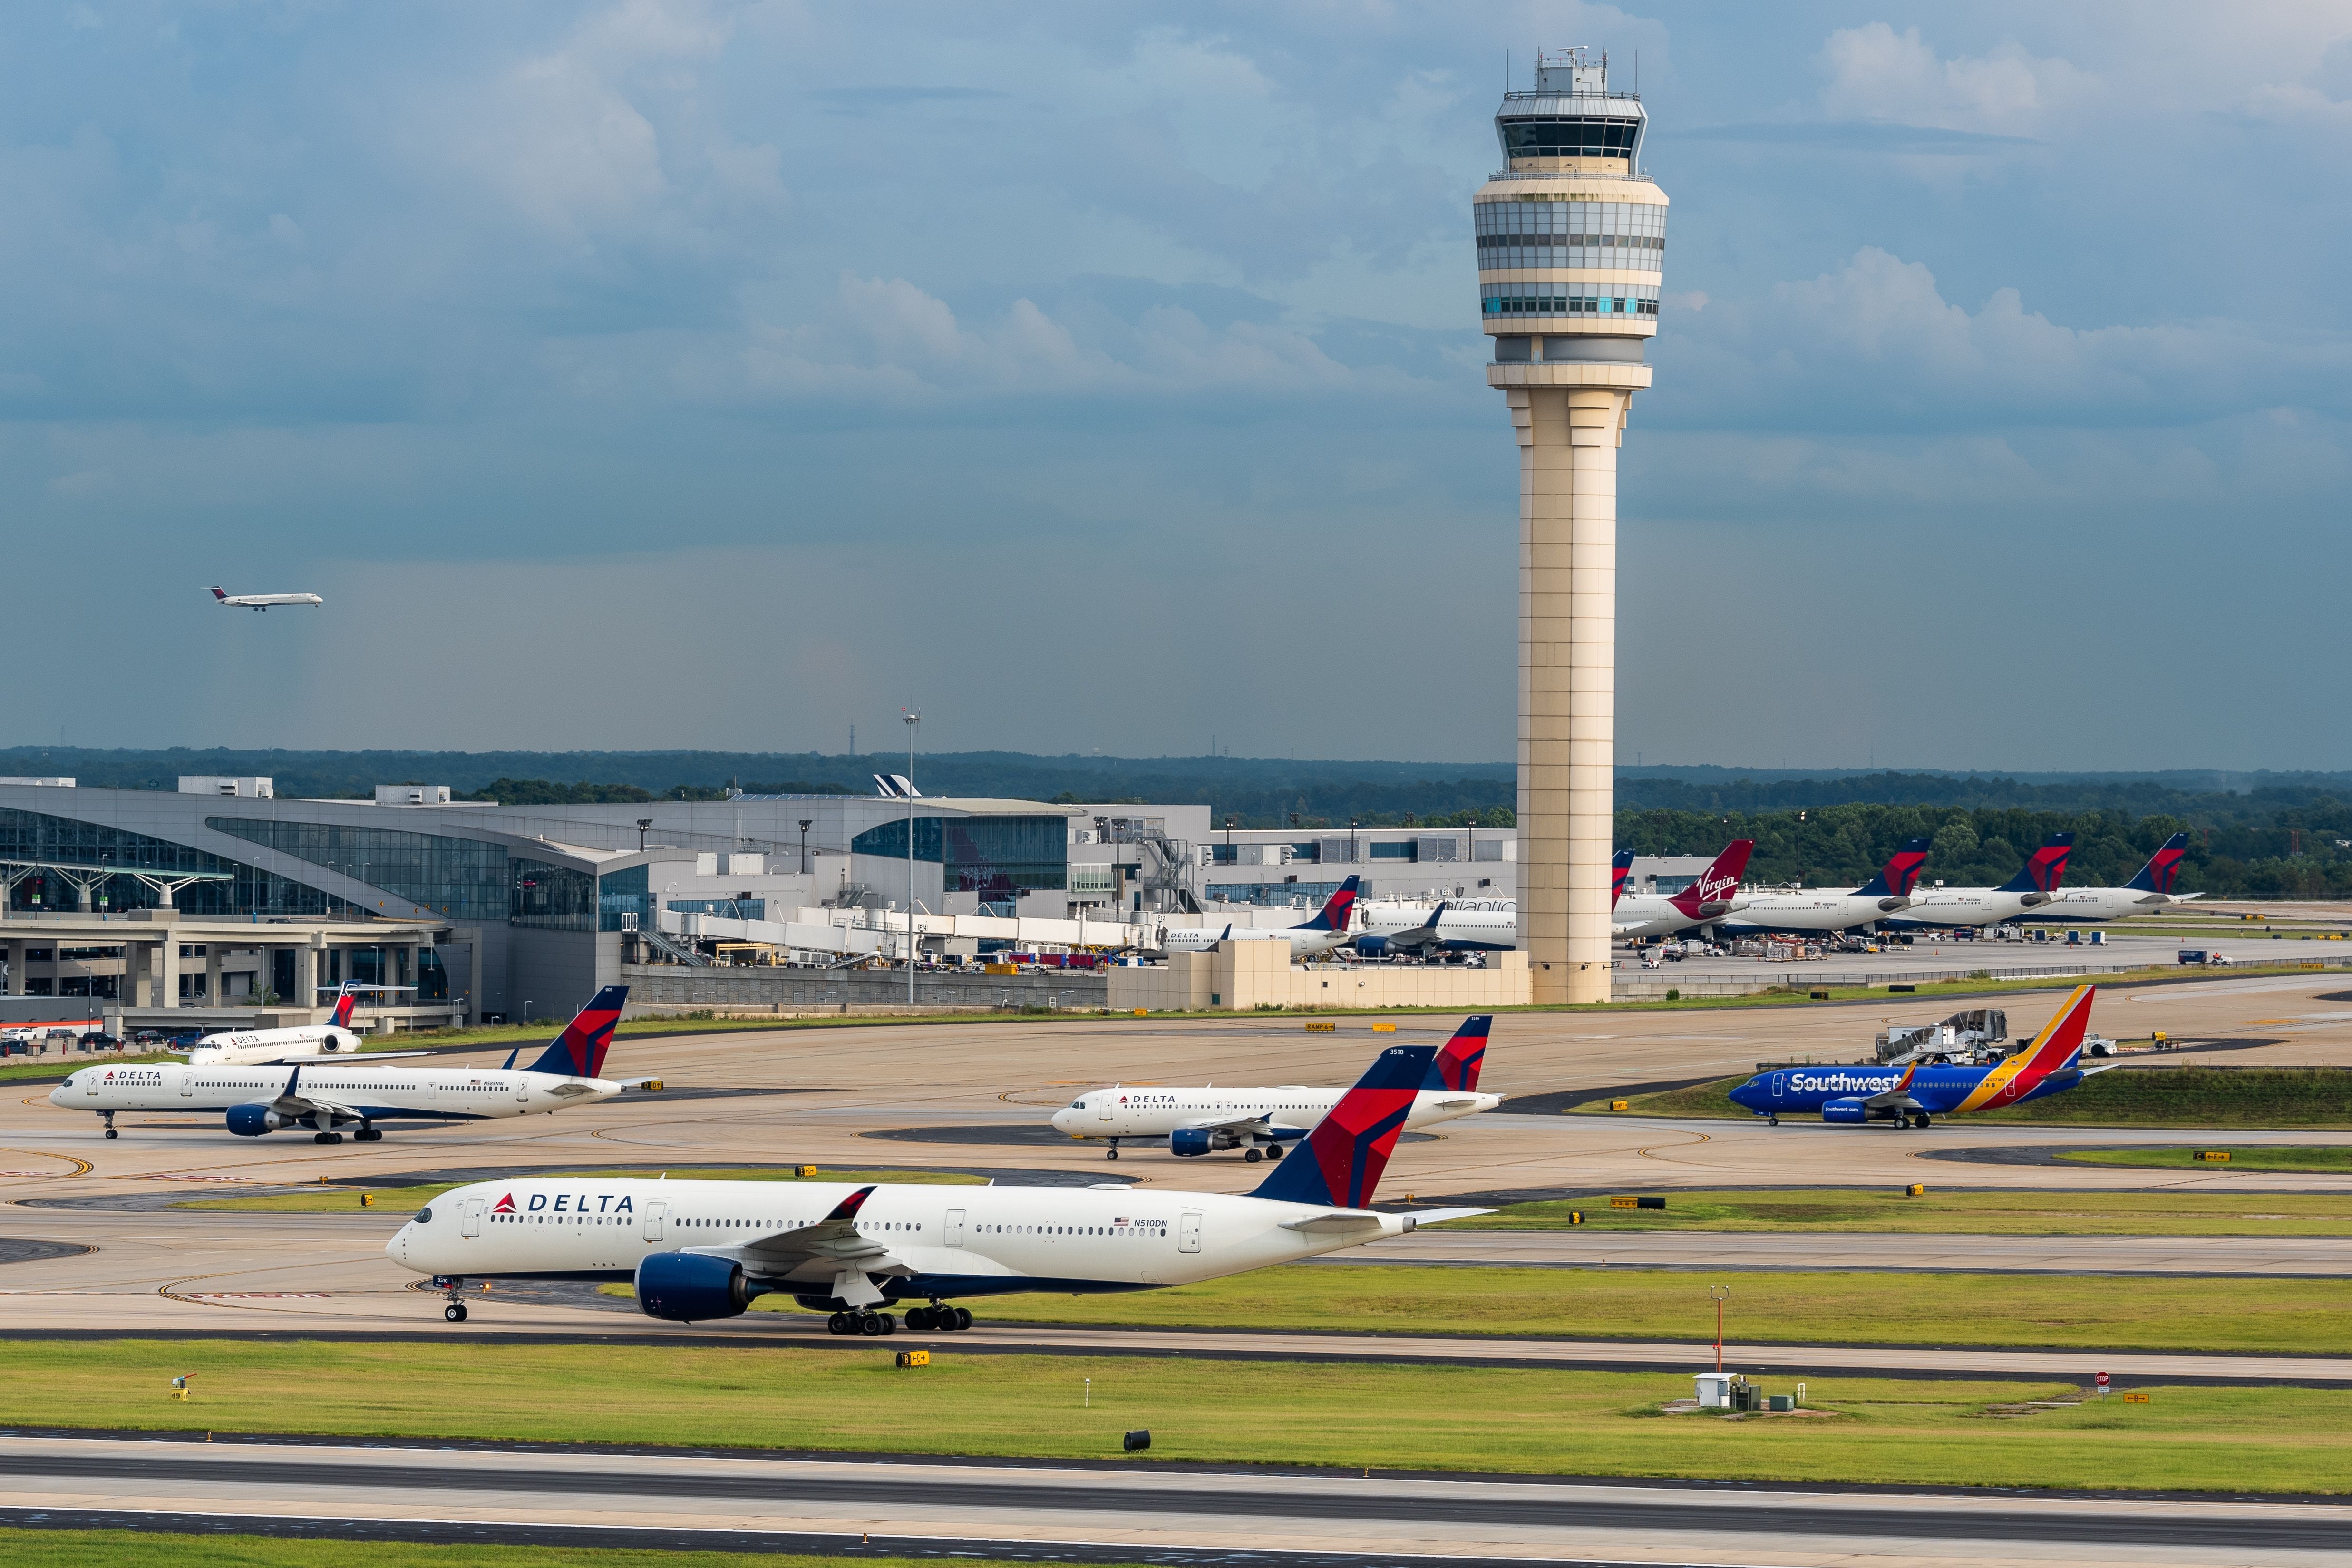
(425, 1217)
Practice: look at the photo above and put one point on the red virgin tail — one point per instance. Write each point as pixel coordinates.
(1712, 892)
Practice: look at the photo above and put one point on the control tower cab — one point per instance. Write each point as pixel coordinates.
(1571, 242)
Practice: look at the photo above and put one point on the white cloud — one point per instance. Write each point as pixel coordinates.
(1876, 73)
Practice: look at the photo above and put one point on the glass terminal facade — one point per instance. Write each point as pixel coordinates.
(464, 878)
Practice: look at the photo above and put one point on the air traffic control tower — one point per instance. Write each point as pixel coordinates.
(1570, 238)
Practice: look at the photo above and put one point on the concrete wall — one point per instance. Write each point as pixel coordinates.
(662, 986)
(1241, 976)
(555, 971)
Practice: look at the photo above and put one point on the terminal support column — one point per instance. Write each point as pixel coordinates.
(1569, 419)
(306, 975)
(16, 967)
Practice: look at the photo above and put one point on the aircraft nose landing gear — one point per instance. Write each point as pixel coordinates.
(107, 1117)
(1113, 1153)
(456, 1310)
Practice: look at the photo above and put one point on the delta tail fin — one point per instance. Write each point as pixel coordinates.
(2044, 869)
(1334, 914)
(579, 1051)
(1461, 1058)
(1900, 874)
(1618, 869)
(2163, 868)
(1339, 1164)
(345, 1000)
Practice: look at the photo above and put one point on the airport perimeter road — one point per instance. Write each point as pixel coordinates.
(1108, 1510)
(2235, 1256)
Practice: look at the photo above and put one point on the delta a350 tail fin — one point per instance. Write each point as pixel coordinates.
(1618, 869)
(2163, 868)
(1900, 874)
(579, 1051)
(1461, 1060)
(1339, 1164)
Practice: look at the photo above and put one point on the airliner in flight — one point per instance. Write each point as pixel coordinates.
(2149, 891)
(1910, 1095)
(264, 601)
(327, 1096)
(2034, 887)
(1259, 1121)
(696, 1251)
(1326, 931)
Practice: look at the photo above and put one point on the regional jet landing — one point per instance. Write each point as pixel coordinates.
(264, 601)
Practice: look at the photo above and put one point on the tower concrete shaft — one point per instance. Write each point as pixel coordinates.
(1570, 240)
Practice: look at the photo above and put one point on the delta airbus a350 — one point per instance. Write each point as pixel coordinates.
(1910, 1095)
(701, 1250)
(1259, 1121)
(323, 1097)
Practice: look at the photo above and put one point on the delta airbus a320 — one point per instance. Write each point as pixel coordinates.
(1911, 1096)
(701, 1250)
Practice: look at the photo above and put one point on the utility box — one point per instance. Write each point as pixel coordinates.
(1714, 1390)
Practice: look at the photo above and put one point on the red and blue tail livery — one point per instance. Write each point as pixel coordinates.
(345, 999)
(580, 1050)
(1459, 1060)
(1334, 914)
(1340, 1162)
(1900, 874)
(1618, 869)
(2163, 868)
(2044, 869)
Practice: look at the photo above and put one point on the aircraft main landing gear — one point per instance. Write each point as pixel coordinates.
(939, 1318)
(1253, 1154)
(1773, 1121)
(326, 1137)
(1273, 1150)
(367, 1135)
(873, 1325)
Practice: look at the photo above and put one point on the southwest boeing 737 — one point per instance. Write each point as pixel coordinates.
(1909, 1096)
(695, 1252)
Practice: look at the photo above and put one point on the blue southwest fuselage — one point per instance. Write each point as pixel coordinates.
(1848, 1093)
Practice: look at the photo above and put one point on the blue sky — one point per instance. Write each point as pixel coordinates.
(1096, 376)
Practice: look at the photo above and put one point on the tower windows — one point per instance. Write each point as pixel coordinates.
(1571, 299)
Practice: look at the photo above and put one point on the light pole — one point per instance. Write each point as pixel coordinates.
(913, 719)
(643, 823)
(1718, 1292)
(806, 823)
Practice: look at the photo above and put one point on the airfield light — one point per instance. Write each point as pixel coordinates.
(1718, 1292)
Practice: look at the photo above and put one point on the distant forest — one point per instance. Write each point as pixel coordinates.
(2256, 834)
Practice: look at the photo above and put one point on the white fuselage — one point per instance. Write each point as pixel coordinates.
(1964, 907)
(379, 1093)
(1304, 944)
(268, 601)
(971, 1240)
(2104, 904)
(1823, 911)
(1120, 1111)
(242, 1047)
(1655, 914)
(1476, 929)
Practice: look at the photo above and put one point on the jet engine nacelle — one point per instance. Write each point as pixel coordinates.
(688, 1288)
(1190, 1140)
(253, 1120)
(1373, 947)
(336, 1044)
(1850, 1108)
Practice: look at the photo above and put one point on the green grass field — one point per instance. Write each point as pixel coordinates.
(2186, 1096)
(336, 1199)
(2335, 1159)
(1461, 1418)
(129, 1549)
(1957, 1213)
(2060, 1312)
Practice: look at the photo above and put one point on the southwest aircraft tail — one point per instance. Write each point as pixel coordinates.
(2163, 867)
(1618, 869)
(579, 1051)
(1334, 914)
(1340, 1162)
(1718, 882)
(2050, 1050)
(2045, 870)
(1461, 1058)
(1900, 874)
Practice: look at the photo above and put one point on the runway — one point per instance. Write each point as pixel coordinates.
(1139, 1507)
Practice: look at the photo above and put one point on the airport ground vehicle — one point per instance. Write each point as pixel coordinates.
(696, 1251)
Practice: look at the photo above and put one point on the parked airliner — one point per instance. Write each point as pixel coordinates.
(1715, 895)
(1259, 1121)
(1824, 911)
(696, 1251)
(2031, 887)
(326, 1096)
(301, 1043)
(1326, 931)
(1449, 928)
(2146, 892)
(264, 601)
